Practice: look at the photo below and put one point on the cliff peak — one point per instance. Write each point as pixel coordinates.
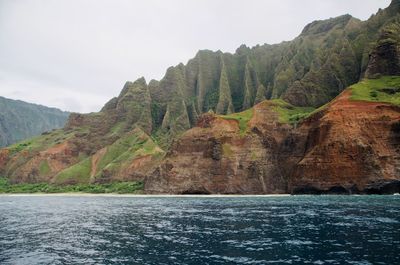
(321, 26)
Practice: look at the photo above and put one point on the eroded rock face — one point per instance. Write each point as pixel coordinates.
(385, 57)
(216, 157)
(349, 147)
(353, 148)
(384, 60)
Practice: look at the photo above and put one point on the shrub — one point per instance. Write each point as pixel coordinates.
(373, 94)
(116, 187)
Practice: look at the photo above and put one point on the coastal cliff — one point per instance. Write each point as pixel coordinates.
(318, 114)
(349, 146)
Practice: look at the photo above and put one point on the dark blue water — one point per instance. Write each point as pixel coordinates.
(278, 230)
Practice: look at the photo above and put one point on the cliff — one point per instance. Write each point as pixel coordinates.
(316, 114)
(349, 146)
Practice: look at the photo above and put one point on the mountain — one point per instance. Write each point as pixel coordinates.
(317, 114)
(348, 146)
(20, 120)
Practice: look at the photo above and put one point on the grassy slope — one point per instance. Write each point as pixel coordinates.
(242, 117)
(40, 142)
(117, 156)
(289, 113)
(78, 173)
(21, 152)
(384, 89)
(121, 153)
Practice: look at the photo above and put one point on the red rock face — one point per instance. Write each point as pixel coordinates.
(215, 158)
(350, 147)
(353, 147)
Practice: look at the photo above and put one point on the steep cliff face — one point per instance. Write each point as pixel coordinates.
(353, 147)
(311, 70)
(385, 57)
(20, 120)
(349, 146)
(225, 154)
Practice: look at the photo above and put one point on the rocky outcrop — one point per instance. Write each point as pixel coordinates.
(352, 148)
(322, 83)
(134, 105)
(216, 158)
(385, 57)
(348, 147)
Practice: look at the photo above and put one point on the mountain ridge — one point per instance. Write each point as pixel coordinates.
(20, 120)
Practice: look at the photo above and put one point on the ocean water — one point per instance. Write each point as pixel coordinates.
(232, 230)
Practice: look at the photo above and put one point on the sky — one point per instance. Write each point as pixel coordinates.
(77, 54)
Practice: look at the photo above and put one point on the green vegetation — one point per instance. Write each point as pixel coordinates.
(318, 109)
(79, 173)
(129, 142)
(40, 142)
(44, 168)
(289, 113)
(135, 103)
(120, 154)
(242, 117)
(211, 99)
(260, 95)
(176, 118)
(116, 187)
(117, 128)
(162, 138)
(385, 89)
(225, 105)
(157, 113)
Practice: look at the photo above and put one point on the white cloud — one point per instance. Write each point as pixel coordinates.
(77, 54)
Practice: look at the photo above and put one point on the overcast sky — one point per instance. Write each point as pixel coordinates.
(76, 55)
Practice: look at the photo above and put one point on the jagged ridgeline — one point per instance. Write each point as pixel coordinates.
(312, 69)
(131, 134)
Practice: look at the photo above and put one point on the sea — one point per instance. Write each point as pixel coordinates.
(78, 229)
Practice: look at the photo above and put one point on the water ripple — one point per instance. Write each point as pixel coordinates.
(250, 230)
